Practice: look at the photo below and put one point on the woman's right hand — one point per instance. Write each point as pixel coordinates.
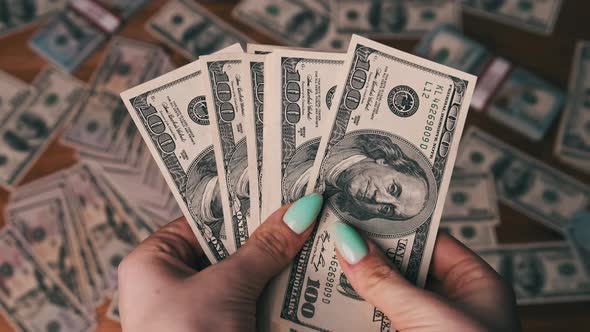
(465, 293)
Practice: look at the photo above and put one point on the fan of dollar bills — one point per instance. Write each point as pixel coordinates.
(246, 128)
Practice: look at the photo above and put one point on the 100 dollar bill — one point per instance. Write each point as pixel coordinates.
(540, 272)
(397, 19)
(573, 140)
(299, 92)
(230, 95)
(384, 165)
(471, 198)
(523, 183)
(172, 116)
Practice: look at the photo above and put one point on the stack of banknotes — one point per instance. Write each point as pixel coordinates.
(374, 129)
(237, 135)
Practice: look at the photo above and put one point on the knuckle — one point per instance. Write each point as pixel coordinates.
(377, 276)
(273, 243)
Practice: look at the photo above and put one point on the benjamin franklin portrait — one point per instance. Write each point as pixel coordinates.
(525, 272)
(379, 182)
(203, 195)
(514, 178)
(203, 192)
(387, 16)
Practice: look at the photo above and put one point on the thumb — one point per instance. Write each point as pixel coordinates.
(276, 241)
(375, 279)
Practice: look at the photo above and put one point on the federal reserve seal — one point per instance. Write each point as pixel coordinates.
(403, 101)
(197, 111)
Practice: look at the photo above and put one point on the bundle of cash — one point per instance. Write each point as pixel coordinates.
(75, 225)
(77, 32)
(573, 141)
(540, 272)
(372, 127)
(27, 129)
(537, 16)
(20, 14)
(578, 235)
(524, 183)
(13, 93)
(471, 210)
(102, 132)
(393, 19)
(192, 30)
(508, 93)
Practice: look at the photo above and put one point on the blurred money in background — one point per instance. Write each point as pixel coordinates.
(230, 137)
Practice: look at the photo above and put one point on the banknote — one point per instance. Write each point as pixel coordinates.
(523, 183)
(394, 19)
(471, 199)
(573, 140)
(32, 299)
(447, 46)
(29, 129)
(293, 22)
(544, 272)
(100, 125)
(254, 122)
(230, 94)
(192, 30)
(526, 103)
(299, 87)
(172, 116)
(536, 16)
(45, 223)
(384, 168)
(13, 93)
(578, 235)
(265, 49)
(472, 234)
(67, 40)
(106, 225)
(19, 14)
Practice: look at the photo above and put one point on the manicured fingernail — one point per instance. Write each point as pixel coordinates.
(349, 243)
(303, 212)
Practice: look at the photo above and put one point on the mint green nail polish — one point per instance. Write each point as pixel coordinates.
(303, 212)
(349, 243)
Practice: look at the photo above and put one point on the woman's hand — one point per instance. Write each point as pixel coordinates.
(465, 293)
(161, 287)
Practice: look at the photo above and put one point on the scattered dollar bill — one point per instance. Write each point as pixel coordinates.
(229, 92)
(540, 272)
(299, 88)
(13, 93)
(67, 40)
(294, 22)
(30, 297)
(447, 46)
(533, 15)
(509, 94)
(394, 19)
(526, 103)
(254, 124)
(101, 125)
(45, 222)
(19, 14)
(578, 235)
(172, 116)
(385, 116)
(573, 140)
(472, 234)
(192, 30)
(29, 129)
(523, 183)
(471, 199)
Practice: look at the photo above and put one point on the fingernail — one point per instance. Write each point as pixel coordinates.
(349, 243)
(303, 212)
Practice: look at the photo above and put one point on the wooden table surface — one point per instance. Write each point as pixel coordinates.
(550, 57)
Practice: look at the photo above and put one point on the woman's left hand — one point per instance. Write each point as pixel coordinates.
(163, 286)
